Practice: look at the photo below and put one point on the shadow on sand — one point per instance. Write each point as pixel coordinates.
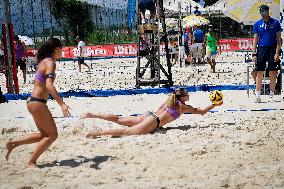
(79, 160)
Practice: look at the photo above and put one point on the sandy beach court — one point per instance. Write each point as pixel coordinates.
(234, 147)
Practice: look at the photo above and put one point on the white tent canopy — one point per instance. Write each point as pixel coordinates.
(186, 5)
(218, 7)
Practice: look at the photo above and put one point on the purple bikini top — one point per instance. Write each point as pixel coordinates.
(173, 111)
(42, 77)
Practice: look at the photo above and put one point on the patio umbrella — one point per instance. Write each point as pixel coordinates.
(26, 40)
(246, 11)
(171, 6)
(171, 23)
(193, 20)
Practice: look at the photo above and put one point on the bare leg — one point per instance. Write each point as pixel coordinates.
(144, 127)
(112, 132)
(79, 64)
(45, 123)
(126, 121)
(32, 138)
(25, 75)
(209, 62)
(272, 76)
(87, 66)
(213, 65)
(259, 78)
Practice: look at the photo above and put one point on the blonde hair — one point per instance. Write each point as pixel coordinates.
(171, 101)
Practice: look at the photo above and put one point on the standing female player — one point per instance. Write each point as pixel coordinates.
(36, 103)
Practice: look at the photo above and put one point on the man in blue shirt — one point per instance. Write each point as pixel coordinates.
(266, 48)
(198, 35)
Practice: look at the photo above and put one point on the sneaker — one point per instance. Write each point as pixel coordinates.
(257, 99)
(271, 99)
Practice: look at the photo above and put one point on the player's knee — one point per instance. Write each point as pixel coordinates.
(53, 136)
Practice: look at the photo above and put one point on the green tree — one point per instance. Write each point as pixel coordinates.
(74, 17)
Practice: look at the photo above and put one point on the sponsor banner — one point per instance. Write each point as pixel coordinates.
(119, 50)
(238, 44)
(97, 51)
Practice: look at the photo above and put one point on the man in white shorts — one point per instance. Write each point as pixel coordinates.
(196, 52)
(82, 52)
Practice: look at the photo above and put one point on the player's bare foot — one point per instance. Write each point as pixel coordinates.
(92, 135)
(9, 146)
(32, 165)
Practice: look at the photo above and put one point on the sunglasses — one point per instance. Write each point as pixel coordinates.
(263, 12)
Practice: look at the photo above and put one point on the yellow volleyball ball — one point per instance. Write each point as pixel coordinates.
(216, 97)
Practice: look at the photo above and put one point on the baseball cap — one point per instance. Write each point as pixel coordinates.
(263, 9)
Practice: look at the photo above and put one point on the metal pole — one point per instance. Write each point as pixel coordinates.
(33, 19)
(220, 24)
(9, 48)
(282, 33)
(22, 18)
(96, 15)
(187, 10)
(181, 48)
(51, 27)
(42, 22)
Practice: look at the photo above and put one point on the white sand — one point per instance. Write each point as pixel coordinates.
(217, 150)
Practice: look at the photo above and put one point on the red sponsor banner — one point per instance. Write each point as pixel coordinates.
(117, 50)
(113, 50)
(238, 44)
(102, 51)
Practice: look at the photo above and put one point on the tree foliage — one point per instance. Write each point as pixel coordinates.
(74, 17)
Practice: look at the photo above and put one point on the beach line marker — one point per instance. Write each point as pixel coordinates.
(211, 111)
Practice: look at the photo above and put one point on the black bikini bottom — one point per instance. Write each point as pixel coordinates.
(157, 119)
(33, 99)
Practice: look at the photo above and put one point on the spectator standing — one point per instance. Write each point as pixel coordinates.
(82, 53)
(196, 49)
(187, 43)
(20, 56)
(211, 42)
(266, 48)
(198, 35)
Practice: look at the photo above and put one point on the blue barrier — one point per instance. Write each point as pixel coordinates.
(106, 93)
(95, 58)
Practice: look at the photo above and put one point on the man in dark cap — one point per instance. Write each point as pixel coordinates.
(196, 11)
(266, 48)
